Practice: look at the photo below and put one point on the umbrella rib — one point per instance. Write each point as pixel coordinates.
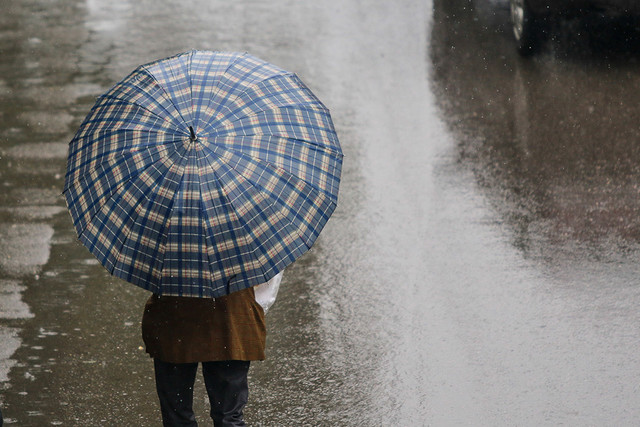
(309, 142)
(147, 127)
(327, 148)
(180, 181)
(168, 218)
(222, 144)
(319, 192)
(239, 80)
(107, 133)
(188, 78)
(193, 108)
(218, 87)
(167, 118)
(114, 191)
(198, 109)
(289, 90)
(239, 218)
(165, 92)
(122, 152)
(266, 163)
(307, 106)
(207, 221)
(81, 234)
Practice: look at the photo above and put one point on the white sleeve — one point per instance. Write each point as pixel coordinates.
(266, 292)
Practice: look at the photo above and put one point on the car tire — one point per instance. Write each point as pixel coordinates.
(528, 27)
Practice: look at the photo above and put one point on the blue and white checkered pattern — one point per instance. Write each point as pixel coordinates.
(209, 215)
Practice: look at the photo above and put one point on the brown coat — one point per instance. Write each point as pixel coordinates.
(187, 330)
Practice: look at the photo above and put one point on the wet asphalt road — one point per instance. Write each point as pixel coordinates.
(481, 268)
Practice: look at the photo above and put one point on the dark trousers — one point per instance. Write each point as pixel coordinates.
(226, 383)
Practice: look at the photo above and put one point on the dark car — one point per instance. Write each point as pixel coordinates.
(530, 17)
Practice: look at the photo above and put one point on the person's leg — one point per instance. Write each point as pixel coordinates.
(228, 390)
(174, 383)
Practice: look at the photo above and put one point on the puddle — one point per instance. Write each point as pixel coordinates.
(39, 151)
(10, 343)
(11, 304)
(25, 248)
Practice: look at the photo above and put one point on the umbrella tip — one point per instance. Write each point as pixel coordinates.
(193, 134)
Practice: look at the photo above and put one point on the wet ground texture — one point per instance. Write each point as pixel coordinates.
(482, 265)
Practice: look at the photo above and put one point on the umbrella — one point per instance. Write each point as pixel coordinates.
(203, 174)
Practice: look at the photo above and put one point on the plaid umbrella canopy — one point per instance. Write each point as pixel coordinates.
(203, 174)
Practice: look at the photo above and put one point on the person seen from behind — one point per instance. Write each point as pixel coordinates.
(223, 335)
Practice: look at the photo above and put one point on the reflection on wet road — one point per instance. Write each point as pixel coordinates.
(481, 268)
(552, 144)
